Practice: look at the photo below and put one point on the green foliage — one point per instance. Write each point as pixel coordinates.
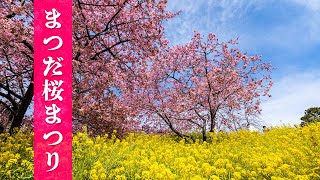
(311, 115)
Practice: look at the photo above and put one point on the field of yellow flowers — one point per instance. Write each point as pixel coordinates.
(281, 153)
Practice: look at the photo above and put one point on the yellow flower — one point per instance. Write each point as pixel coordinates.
(282, 152)
(121, 177)
(237, 175)
(222, 172)
(214, 177)
(11, 162)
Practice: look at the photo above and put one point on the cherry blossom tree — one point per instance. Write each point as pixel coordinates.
(16, 61)
(111, 41)
(203, 86)
(126, 76)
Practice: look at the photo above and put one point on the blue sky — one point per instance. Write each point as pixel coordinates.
(285, 32)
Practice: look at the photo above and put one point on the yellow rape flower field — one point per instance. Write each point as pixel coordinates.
(281, 153)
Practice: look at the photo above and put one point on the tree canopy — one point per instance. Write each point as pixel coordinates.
(311, 115)
(127, 77)
(110, 39)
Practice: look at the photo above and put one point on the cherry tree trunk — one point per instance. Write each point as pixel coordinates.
(17, 118)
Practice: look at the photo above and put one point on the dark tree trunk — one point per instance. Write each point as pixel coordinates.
(204, 136)
(212, 125)
(212, 120)
(204, 131)
(168, 122)
(1, 129)
(22, 108)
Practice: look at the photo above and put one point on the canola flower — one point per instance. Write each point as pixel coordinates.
(16, 156)
(281, 153)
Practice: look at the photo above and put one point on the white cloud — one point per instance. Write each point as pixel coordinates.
(218, 16)
(227, 19)
(204, 16)
(310, 4)
(292, 95)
